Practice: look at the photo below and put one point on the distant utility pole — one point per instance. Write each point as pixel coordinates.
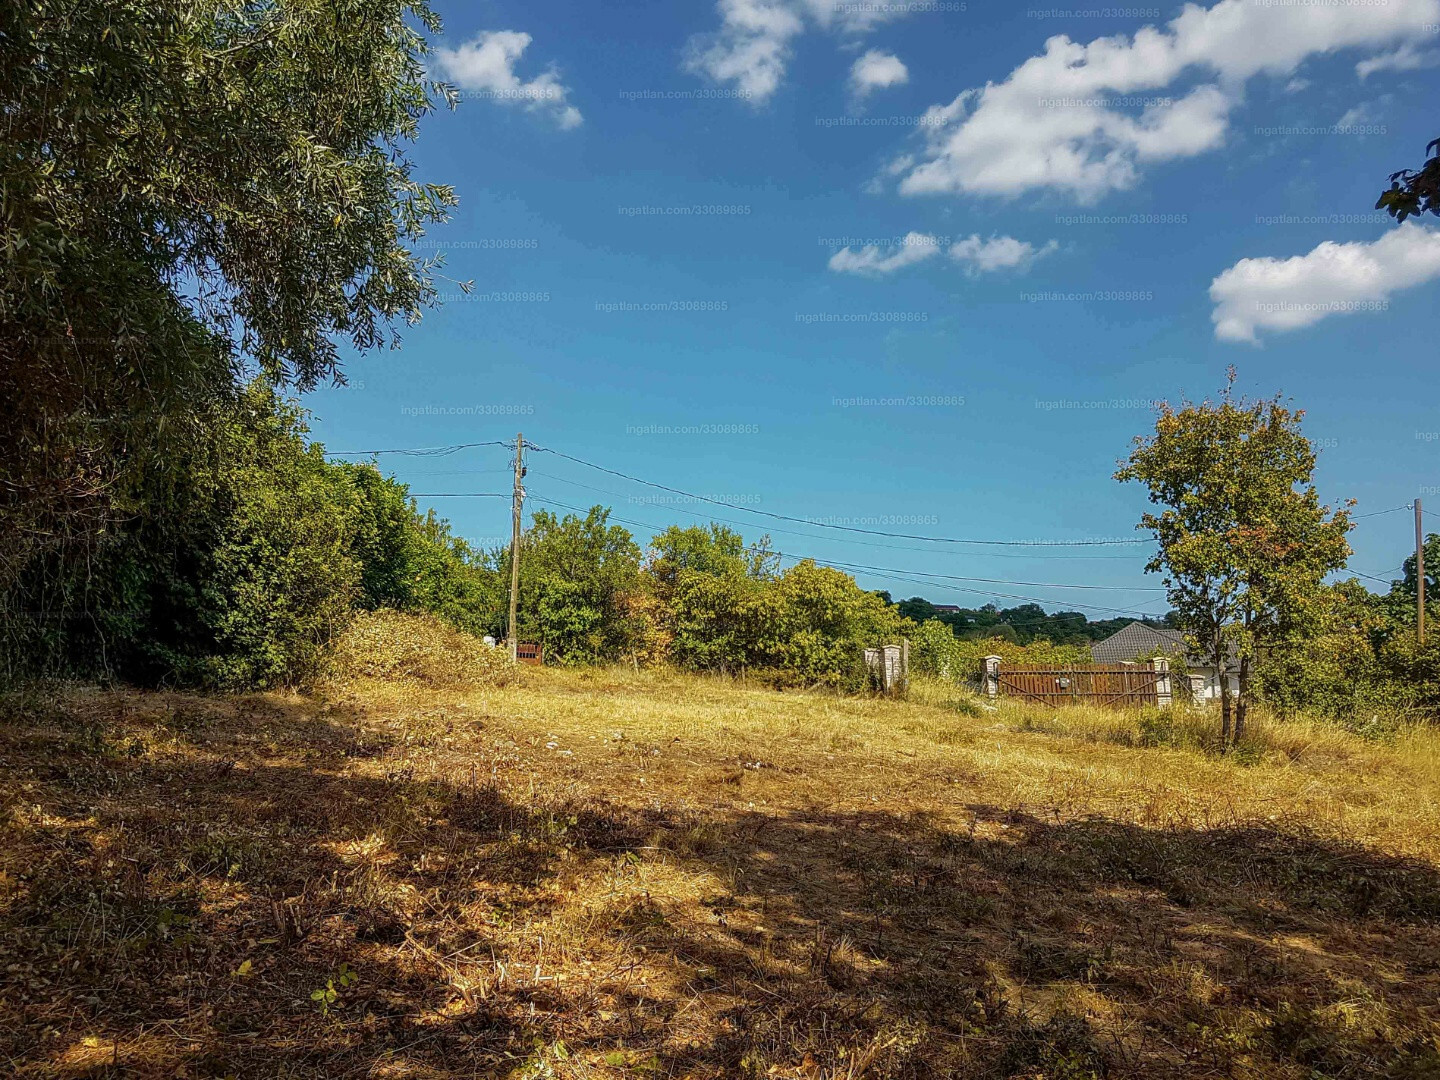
(1420, 571)
(517, 504)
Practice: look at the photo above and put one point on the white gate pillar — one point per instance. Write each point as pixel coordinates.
(992, 676)
(1164, 696)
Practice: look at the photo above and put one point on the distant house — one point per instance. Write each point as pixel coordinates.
(1142, 640)
(947, 609)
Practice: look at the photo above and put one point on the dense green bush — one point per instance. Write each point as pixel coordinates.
(575, 576)
(243, 564)
(935, 650)
(1365, 661)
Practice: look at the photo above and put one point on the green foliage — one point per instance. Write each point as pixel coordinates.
(189, 190)
(1414, 191)
(413, 563)
(259, 558)
(1244, 541)
(728, 608)
(1021, 624)
(575, 575)
(326, 997)
(935, 650)
(815, 623)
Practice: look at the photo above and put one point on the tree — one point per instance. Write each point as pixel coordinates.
(1414, 191)
(707, 585)
(1245, 544)
(1404, 593)
(575, 576)
(190, 190)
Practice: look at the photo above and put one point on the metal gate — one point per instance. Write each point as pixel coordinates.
(1097, 684)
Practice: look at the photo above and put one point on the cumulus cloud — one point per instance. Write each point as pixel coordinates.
(998, 253)
(753, 46)
(1084, 119)
(1334, 279)
(877, 70)
(485, 67)
(976, 255)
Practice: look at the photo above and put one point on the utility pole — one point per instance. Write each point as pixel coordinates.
(517, 505)
(1420, 571)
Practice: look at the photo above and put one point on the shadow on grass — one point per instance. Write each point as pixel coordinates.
(182, 881)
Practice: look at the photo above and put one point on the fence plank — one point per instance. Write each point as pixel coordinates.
(1097, 684)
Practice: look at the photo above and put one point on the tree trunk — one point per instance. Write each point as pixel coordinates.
(1224, 692)
(1242, 703)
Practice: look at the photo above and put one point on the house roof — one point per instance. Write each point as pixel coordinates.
(1136, 640)
(1140, 639)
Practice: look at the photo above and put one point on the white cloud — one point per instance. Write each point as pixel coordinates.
(976, 255)
(1084, 118)
(998, 253)
(1356, 116)
(485, 66)
(753, 46)
(872, 261)
(1406, 58)
(1334, 279)
(877, 70)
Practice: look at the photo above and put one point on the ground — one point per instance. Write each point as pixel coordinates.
(608, 874)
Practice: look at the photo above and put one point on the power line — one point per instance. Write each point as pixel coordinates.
(423, 451)
(1379, 513)
(948, 577)
(861, 543)
(1372, 577)
(875, 569)
(825, 525)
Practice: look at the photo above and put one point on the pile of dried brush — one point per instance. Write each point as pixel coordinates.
(394, 646)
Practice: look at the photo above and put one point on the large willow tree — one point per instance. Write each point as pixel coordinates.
(190, 191)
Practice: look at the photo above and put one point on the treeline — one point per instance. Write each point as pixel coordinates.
(239, 565)
(1021, 625)
(253, 552)
(256, 551)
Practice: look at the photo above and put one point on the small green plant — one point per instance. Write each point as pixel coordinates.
(541, 1064)
(1157, 728)
(329, 994)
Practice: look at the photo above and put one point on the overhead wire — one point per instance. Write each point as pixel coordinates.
(836, 564)
(828, 525)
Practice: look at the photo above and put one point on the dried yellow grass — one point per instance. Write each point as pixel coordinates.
(611, 873)
(393, 646)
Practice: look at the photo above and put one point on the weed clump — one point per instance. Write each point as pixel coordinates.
(394, 646)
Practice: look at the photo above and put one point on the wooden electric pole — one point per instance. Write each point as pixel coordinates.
(517, 505)
(1420, 572)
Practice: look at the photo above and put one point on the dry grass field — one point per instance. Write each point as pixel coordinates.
(621, 874)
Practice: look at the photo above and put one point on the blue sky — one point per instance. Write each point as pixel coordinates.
(910, 267)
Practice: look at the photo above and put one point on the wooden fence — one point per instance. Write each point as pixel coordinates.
(1117, 685)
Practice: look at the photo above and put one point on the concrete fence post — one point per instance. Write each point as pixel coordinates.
(992, 676)
(1164, 696)
(874, 667)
